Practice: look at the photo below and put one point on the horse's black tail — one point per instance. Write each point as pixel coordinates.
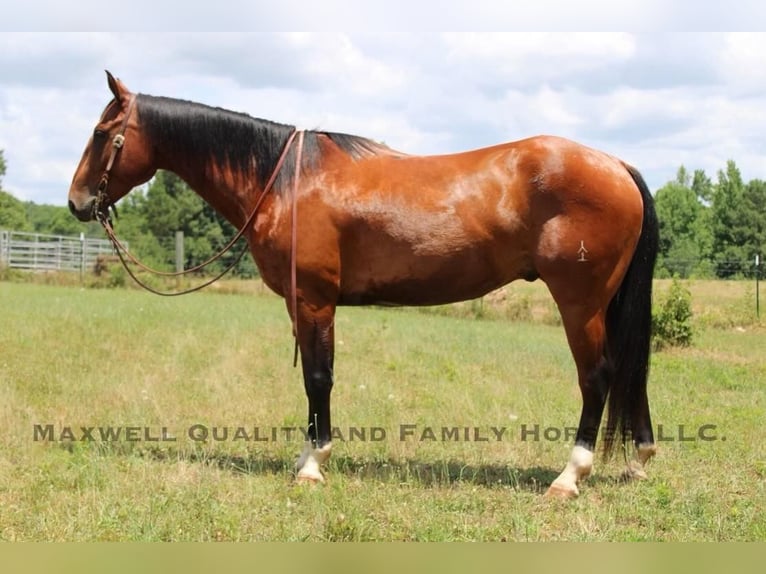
(628, 330)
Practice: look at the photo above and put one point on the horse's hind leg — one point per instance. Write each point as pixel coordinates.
(585, 331)
(643, 438)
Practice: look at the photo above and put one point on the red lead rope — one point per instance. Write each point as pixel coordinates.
(294, 246)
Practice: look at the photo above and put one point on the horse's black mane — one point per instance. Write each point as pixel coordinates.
(197, 131)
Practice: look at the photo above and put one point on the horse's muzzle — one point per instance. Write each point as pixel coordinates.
(84, 212)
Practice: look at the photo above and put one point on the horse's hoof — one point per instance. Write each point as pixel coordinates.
(635, 471)
(561, 492)
(306, 478)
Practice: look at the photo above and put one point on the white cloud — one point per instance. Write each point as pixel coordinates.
(741, 62)
(519, 49)
(657, 100)
(400, 15)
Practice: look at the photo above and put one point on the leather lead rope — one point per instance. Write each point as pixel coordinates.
(102, 205)
(251, 218)
(294, 246)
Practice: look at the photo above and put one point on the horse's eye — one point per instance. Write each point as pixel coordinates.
(99, 134)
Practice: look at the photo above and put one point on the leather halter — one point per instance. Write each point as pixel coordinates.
(102, 203)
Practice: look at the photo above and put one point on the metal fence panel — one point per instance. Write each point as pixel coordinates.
(41, 252)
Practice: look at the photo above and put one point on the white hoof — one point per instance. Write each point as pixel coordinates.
(579, 467)
(562, 491)
(310, 462)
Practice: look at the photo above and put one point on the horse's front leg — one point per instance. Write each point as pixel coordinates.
(315, 326)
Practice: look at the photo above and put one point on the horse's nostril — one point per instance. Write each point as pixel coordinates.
(72, 209)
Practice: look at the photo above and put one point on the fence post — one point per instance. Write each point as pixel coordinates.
(179, 251)
(4, 241)
(179, 256)
(757, 286)
(82, 257)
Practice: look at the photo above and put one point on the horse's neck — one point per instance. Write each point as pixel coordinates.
(230, 196)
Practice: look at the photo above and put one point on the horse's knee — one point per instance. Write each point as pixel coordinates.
(319, 381)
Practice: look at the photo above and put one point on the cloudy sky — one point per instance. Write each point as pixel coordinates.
(655, 99)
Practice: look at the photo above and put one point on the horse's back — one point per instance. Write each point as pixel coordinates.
(435, 229)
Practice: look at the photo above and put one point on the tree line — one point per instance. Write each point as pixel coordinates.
(711, 229)
(707, 228)
(148, 219)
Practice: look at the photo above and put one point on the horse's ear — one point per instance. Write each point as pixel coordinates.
(117, 87)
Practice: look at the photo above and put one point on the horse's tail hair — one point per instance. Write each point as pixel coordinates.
(628, 328)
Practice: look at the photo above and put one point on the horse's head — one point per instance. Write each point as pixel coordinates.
(116, 159)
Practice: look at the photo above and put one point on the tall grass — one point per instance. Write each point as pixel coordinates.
(75, 357)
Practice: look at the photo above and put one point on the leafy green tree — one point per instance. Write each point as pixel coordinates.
(133, 226)
(170, 205)
(730, 223)
(754, 215)
(13, 217)
(702, 186)
(56, 220)
(685, 239)
(710, 228)
(148, 220)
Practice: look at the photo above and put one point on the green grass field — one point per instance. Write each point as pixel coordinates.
(128, 361)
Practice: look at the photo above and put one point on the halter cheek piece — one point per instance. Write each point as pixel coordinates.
(103, 202)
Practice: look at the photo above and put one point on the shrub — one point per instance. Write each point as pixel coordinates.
(518, 308)
(671, 321)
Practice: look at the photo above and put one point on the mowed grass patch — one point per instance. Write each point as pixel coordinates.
(91, 358)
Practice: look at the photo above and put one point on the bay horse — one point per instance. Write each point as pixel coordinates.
(333, 219)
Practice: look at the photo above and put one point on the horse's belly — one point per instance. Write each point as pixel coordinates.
(409, 279)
